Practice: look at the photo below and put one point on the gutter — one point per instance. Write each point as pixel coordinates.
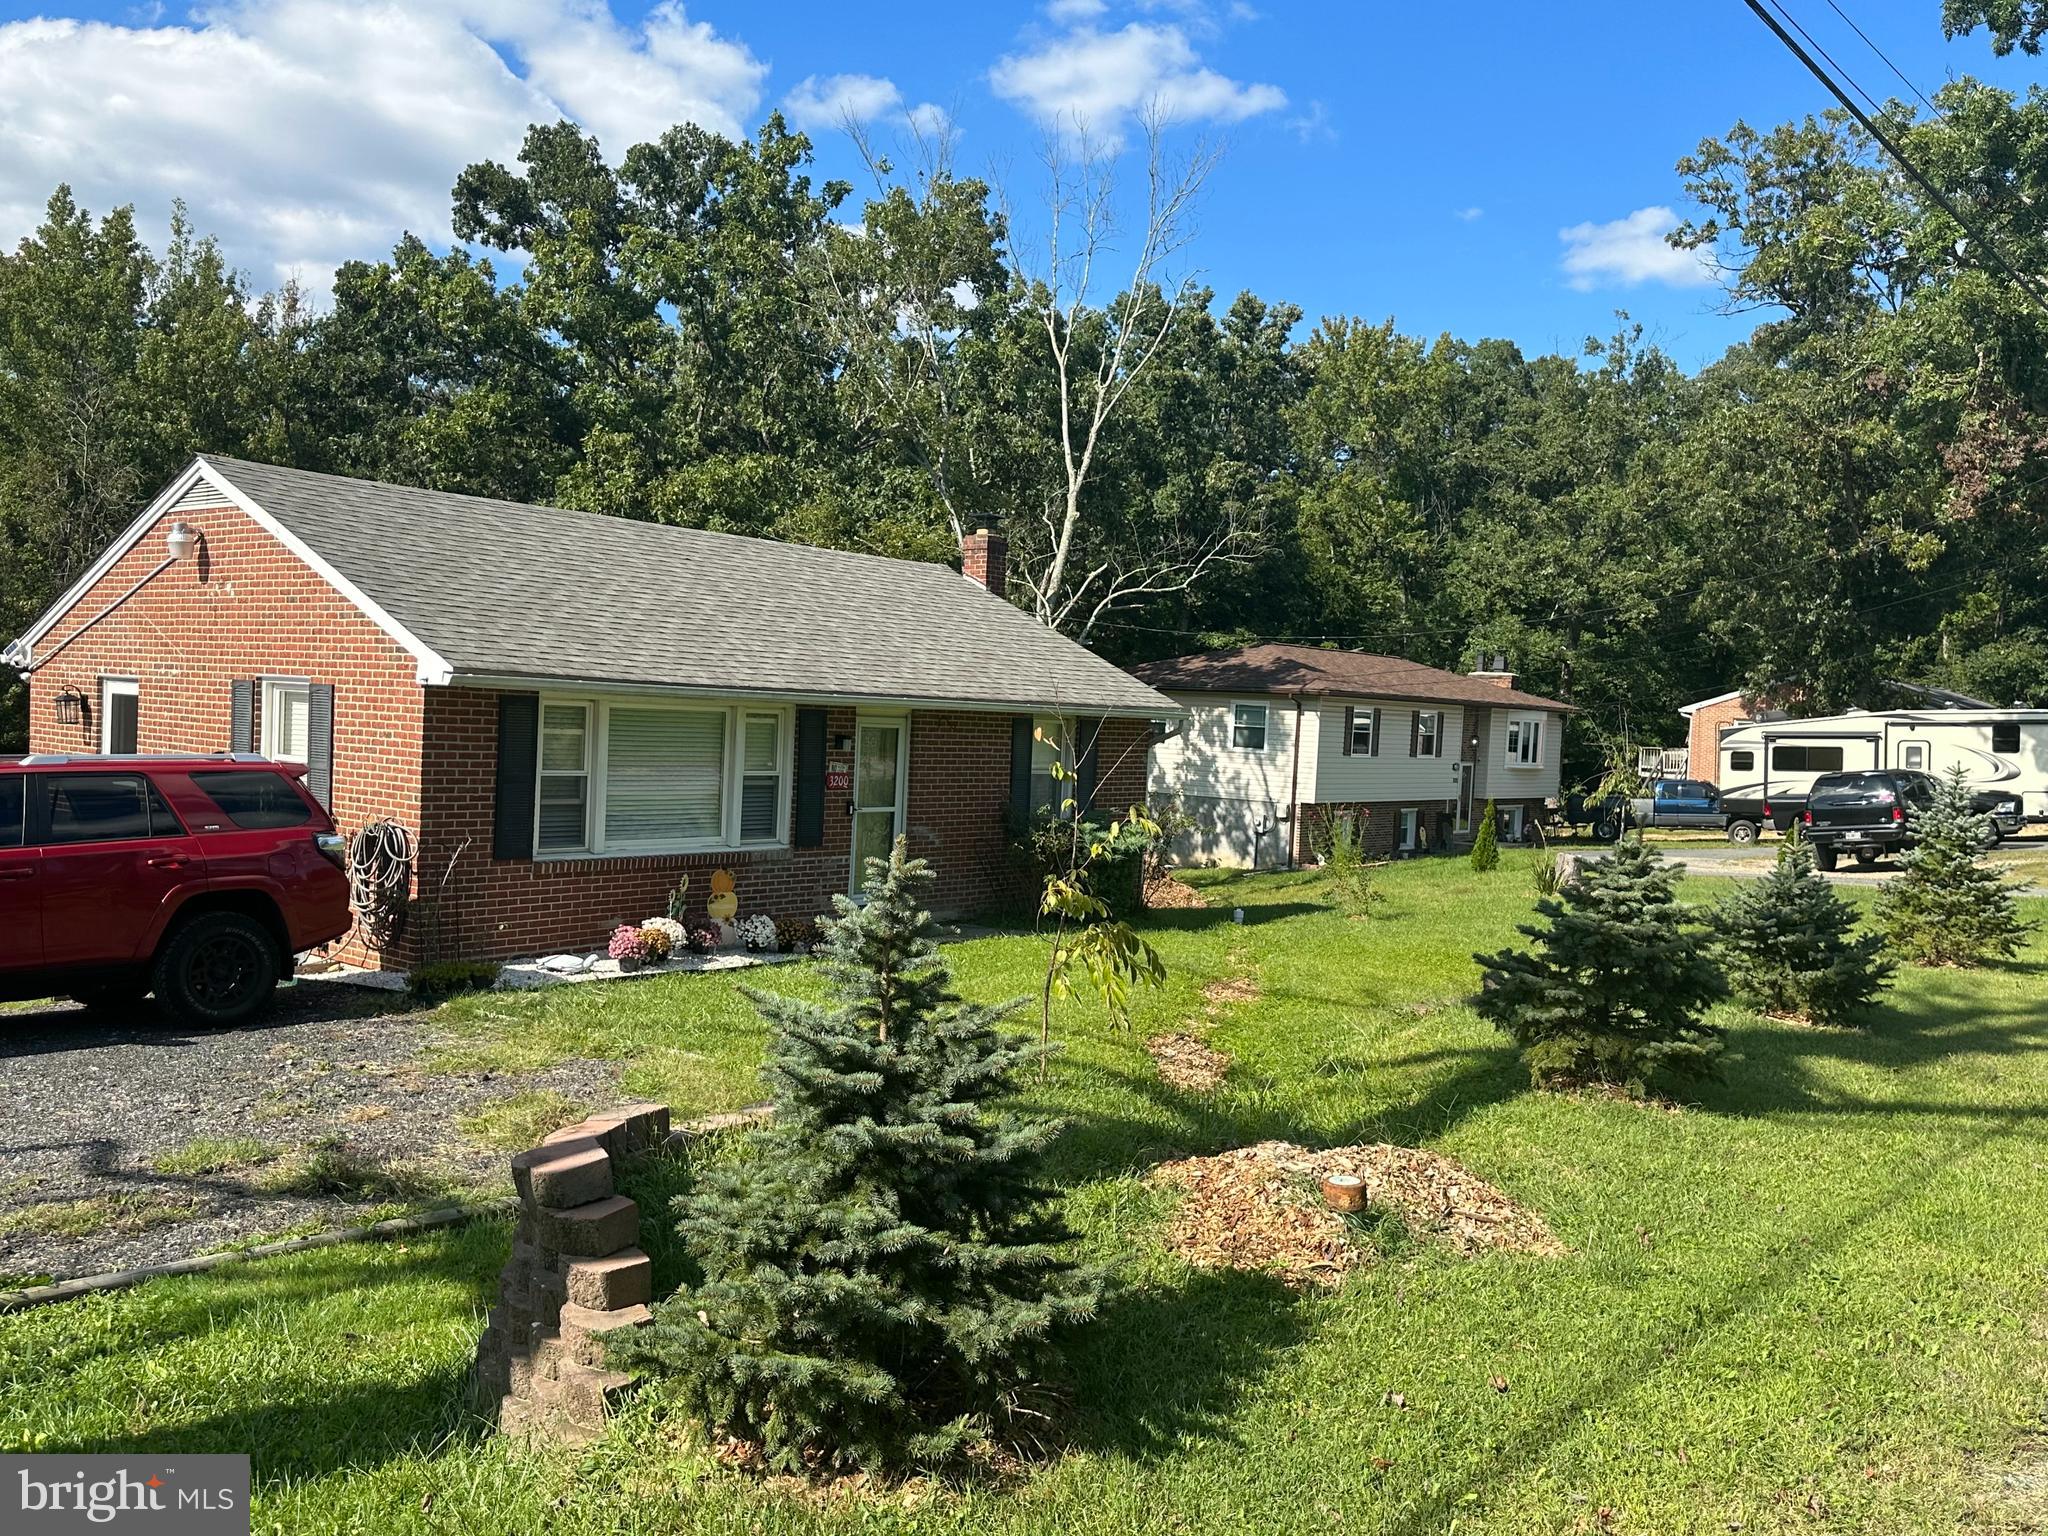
(1165, 709)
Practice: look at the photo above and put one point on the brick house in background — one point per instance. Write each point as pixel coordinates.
(1706, 721)
(571, 711)
(1280, 737)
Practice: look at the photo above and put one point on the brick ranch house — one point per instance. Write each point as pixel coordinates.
(571, 711)
(1281, 737)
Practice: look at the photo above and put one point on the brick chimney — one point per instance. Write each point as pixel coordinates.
(1497, 674)
(985, 557)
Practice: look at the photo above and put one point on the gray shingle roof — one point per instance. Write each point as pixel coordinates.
(1272, 667)
(503, 590)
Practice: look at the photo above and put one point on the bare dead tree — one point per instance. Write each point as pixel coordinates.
(896, 306)
(1069, 591)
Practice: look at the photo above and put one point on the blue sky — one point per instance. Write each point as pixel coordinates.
(1493, 169)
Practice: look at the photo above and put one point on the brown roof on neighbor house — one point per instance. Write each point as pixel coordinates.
(1309, 669)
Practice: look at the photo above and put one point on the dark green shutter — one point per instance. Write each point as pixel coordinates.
(242, 716)
(518, 775)
(1089, 769)
(1375, 733)
(1020, 769)
(1350, 721)
(809, 831)
(320, 742)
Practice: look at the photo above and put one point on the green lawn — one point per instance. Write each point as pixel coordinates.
(1815, 1300)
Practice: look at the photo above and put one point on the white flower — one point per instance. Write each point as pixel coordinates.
(757, 932)
(678, 935)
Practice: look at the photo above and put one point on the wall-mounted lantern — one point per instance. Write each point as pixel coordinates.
(70, 707)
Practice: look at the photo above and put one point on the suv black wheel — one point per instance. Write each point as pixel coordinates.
(219, 969)
(1824, 858)
(1741, 832)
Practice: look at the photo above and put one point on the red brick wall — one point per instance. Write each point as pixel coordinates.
(247, 606)
(958, 794)
(1380, 827)
(1703, 741)
(241, 606)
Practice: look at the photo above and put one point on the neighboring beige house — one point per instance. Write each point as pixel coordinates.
(1279, 737)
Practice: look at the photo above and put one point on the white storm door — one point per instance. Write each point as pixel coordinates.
(881, 759)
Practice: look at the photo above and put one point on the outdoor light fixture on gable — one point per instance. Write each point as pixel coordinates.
(70, 707)
(181, 540)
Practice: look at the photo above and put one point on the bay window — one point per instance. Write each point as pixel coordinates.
(1525, 741)
(624, 777)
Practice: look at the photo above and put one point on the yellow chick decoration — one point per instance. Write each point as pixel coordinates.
(724, 904)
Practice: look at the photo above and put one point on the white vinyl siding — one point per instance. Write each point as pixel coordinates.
(639, 777)
(1331, 776)
(1492, 776)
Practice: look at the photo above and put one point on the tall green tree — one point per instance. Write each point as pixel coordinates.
(116, 365)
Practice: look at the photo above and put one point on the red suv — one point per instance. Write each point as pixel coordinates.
(196, 878)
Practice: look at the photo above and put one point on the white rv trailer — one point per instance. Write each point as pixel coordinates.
(1776, 761)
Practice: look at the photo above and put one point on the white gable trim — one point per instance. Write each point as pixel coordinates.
(1688, 710)
(433, 670)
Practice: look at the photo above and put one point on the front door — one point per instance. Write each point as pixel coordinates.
(880, 751)
(1464, 797)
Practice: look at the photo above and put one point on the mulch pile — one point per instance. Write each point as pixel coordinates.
(1165, 892)
(1258, 1208)
(1188, 1063)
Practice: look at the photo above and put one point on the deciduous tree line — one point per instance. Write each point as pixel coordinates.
(703, 333)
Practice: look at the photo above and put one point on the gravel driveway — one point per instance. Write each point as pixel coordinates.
(129, 1139)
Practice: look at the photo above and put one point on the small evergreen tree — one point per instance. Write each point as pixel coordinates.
(1787, 946)
(882, 1271)
(1486, 844)
(1617, 984)
(1949, 907)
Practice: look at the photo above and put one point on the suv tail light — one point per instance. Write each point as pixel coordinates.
(333, 848)
(1807, 817)
(1767, 810)
(1898, 813)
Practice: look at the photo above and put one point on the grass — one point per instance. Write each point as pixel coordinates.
(520, 1120)
(332, 1169)
(130, 1211)
(214, 1154)
(1815, 1300)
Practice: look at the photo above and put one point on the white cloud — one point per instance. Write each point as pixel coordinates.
(1469, 214)
(1075, 10)
(1313, 126)
(306, 132)
(1097, 80)
(1631, 251)
(832, 101)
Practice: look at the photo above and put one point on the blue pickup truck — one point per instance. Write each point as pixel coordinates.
(1670, 803)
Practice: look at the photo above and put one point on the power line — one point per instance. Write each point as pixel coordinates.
(1919, 177)
(1888, 64)
(1833, 63)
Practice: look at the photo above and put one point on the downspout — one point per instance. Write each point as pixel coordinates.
(1294, 788)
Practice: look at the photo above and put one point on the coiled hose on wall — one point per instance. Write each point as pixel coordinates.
(380, 861)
